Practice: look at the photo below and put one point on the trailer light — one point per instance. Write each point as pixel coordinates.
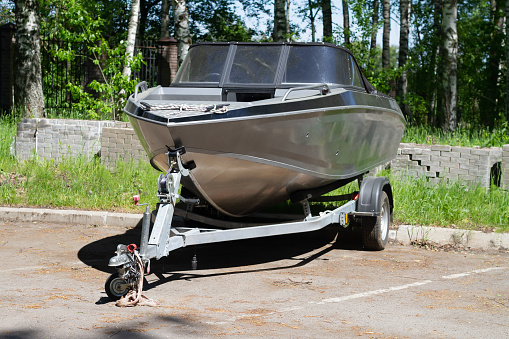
(355, 196)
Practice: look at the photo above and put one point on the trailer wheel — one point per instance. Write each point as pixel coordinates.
(375, 230)
(116, 287)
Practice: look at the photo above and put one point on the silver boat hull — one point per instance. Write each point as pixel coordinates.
(247, 163)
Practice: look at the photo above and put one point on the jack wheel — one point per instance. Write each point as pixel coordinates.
(116, 287)
(375, 230)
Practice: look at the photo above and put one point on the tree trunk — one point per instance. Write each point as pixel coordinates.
(278, 33)
(131, 36)
(28, 94)
(142, 21)
(165, 19)
(386, 48)
(346, 22)
(287, 21)
(450, 64)
(327, 20)
(374, 28)
(312, 20)
(434, 62)
(507, 59)
(404, 7)
(182, 33)
(490, 102)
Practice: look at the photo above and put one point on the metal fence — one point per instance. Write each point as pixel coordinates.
(58, 73)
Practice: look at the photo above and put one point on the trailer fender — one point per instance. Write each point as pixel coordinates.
(370, 194)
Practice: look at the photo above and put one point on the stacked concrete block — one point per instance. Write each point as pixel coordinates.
(505, 167)
(472, 165)
(120, 143)
(58, 138)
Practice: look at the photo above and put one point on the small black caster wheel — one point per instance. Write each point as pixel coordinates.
(116, 287)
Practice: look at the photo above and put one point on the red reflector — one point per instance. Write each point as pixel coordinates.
(355, 196)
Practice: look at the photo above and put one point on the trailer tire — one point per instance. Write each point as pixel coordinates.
(114, 287)
(375, 230)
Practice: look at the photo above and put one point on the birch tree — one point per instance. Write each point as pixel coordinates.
(28, 93)
(182, 33)
(131, 36)
(386, 48)
(450, 64)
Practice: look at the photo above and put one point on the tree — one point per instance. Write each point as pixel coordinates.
(404, 6)
(327, 20)
(278, 33)
(450, 64)
(386, 56)
(507, 60)
(346, 23)
(165, 19)
(131, 36)
(28, 93)
(182, 33)
(374, 28)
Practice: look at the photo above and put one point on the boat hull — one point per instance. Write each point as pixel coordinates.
(247, 162)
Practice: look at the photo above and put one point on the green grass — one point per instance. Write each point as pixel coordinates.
(461, 137)
(83, 183)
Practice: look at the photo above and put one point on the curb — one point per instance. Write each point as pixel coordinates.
(71, 217)
(405, 234)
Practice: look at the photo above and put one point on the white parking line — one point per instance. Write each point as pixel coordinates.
(461, 275)
(370, 293)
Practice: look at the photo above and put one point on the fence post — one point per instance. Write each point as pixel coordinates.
(7, 40)
(167, 64)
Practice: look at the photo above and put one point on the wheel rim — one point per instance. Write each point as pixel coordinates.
(384, 221)
(117, 287)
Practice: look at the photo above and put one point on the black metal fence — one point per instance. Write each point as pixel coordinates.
(58, 72)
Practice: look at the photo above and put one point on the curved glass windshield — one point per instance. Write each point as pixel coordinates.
(255, 64)
(204, 64)
(321, 64)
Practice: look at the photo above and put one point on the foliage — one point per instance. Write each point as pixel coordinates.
(6, 12)
(217, 21)
(483, 137)
(71, 22)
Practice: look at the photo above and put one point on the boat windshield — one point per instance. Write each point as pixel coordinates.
(321, 64)
(258, 64)
(255, 65)
(203, 65)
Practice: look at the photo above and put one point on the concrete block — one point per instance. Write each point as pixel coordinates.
(430, 152)
(444, 148)
(430, 163)
(481, 152)
(416, 157)
(469, 156)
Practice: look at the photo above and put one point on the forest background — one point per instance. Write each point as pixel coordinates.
(447, 71)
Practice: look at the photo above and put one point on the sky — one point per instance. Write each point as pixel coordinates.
(337, 19)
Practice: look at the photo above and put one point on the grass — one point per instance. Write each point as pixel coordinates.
(83, 183)
(461, 137)
(78, 183)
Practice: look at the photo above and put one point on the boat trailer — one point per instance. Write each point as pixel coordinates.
(370, 208)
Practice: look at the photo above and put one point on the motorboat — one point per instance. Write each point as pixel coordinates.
(247, 125)
(265, 122)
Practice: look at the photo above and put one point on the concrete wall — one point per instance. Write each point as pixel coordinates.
(59, 138)
(56, 138)
(439, 162)
(505, 167)
(120, 142)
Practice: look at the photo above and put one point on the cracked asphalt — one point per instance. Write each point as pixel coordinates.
(306, 285)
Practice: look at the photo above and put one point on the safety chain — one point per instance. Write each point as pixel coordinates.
(219, 109)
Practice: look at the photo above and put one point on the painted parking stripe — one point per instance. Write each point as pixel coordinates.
(370, 293)
(461, 275)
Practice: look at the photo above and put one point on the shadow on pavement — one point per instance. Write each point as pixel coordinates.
(240, 253)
